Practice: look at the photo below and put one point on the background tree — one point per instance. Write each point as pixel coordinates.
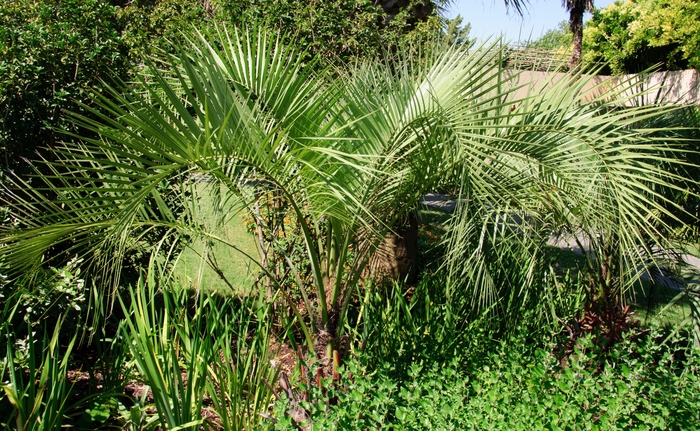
(555, 38)
(456, 32)
(631, 36)
(54, 52)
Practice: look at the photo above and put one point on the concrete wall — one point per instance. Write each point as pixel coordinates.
(679, 87)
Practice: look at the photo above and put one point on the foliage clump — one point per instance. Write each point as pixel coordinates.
(53, 54)
(649, 381)
(633, 35)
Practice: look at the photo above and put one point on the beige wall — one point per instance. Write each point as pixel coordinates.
(669, 87)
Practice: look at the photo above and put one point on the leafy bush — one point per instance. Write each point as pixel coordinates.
(558, 38)
(55, 293)
(647, 383)
(419, 364)
(634, 35)
(53, 53)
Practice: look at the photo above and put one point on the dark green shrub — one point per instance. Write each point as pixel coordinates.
(53, 53)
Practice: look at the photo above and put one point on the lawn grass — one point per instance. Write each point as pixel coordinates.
(659, 304)
(427, 215)
(192, 270)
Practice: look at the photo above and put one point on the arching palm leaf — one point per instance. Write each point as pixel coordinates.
(349, 153)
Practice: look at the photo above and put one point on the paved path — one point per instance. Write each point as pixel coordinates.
(435, 201)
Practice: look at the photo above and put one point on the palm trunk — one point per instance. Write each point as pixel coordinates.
(576, 25)
(396, 257)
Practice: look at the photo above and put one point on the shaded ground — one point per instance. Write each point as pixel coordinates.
(446, 204)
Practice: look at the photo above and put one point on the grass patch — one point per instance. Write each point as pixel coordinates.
(563, 260)
(237, 271)
(427, 215)
(659, 304)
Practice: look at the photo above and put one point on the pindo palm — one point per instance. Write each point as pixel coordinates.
(349, 153)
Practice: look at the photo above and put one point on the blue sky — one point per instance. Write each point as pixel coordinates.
(489, 17)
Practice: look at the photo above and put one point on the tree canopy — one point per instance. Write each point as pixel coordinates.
(54, 52)
(557, 38)
(634, 35)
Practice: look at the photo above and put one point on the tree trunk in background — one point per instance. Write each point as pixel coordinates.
(576, 9)
(576, 25)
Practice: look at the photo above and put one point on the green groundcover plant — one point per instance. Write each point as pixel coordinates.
(648, 383)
